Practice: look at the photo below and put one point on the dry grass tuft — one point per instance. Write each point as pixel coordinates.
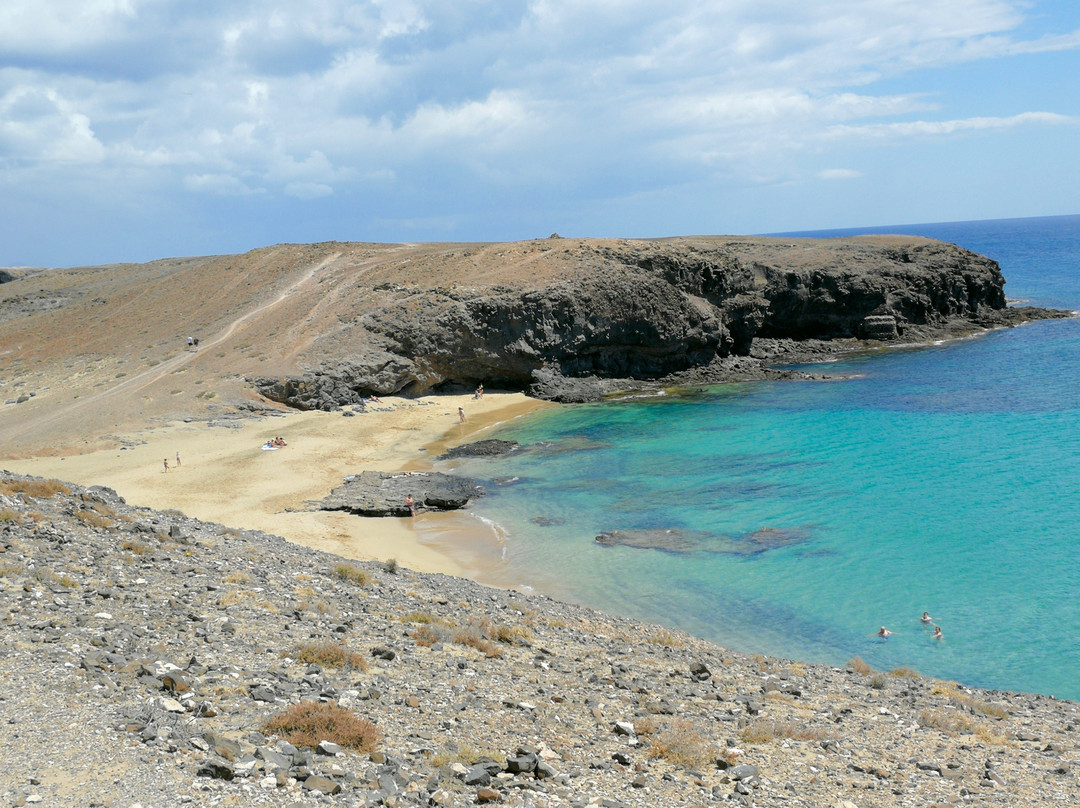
(906, 673)
(663, 636)
(329, 655)
(136, 547)
(949, 721)
(308, 722)
(428, 634)
(42, 489)
(347, 572)
(238, 577)
(93, 519)
(859, 666)
(681, 743)
(8, 515)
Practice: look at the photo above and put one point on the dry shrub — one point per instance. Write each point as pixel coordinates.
(682, 744)
(329, 655)
(136, 547)
(7, 568)
(418, 617)
(427, 634)
(857, 665)
(47, 576)
(662, 636)
(8, 515)
(990, 709)
(347, 572)
(42, 489)
(509, 635)
(647, 725)
(474, 635)
(949, 721)
(989, 736)
(308, 722)
(766, 731)
(238, 577)
(93, 519)
(236, 597)
(906, 673)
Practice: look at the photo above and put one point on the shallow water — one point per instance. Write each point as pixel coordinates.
(944, 479)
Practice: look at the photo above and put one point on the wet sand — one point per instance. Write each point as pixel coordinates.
(224, 476)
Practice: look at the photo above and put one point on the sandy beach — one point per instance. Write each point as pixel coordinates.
(225, 476)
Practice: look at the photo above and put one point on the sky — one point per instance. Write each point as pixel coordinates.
(139, 129)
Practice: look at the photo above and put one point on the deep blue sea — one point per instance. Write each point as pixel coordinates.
(943, 479)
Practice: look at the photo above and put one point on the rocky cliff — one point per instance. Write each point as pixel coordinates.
(620, 309)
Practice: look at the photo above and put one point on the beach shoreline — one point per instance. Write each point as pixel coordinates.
(225, 476)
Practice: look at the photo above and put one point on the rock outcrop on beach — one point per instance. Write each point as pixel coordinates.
(378, 493)
(154, 659)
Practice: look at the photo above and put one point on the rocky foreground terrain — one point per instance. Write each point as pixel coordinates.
(154, 660)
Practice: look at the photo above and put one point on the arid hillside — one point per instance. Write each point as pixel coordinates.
(87, 350)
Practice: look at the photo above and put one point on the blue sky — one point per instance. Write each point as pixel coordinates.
(138, 129)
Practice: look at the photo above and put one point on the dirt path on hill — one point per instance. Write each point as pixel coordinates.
(78, 411)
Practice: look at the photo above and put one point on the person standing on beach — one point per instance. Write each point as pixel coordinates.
(178, 460)
(461, 415)
(410, 503)
(166, 465)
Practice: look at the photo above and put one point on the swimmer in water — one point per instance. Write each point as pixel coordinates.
(926, 618)
(937, 633)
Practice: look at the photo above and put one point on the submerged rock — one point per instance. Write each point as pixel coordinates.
(677, 540)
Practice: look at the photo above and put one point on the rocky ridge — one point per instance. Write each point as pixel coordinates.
(145, 653)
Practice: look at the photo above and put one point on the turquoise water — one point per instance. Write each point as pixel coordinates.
(944, 479)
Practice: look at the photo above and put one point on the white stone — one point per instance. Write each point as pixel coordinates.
(171, 705)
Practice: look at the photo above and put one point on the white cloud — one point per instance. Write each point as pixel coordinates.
(308, 190)
(589, 97)
(221, 184)
(839, 174)
(40, 125)
(939, 128)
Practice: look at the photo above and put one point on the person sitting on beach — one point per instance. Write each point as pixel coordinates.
(937, 633)
(926, 618)
(410, 503)
(479, 392)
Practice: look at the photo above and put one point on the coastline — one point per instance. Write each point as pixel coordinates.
(226, 477)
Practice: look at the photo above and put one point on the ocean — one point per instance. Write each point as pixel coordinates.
(802, 516)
